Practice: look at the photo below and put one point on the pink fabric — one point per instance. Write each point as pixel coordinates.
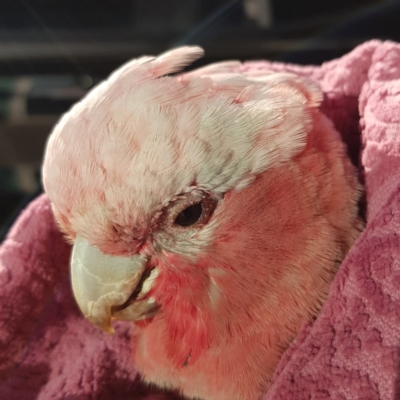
(352, 351)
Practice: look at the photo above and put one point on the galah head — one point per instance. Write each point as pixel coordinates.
(150, 176)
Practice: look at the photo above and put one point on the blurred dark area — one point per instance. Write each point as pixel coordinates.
(53, 51)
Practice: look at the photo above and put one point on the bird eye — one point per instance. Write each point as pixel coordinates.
(190, 210)
(190, 215)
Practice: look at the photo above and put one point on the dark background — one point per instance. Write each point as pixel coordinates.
(53, 51)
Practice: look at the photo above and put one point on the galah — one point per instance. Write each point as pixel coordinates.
(211, 208)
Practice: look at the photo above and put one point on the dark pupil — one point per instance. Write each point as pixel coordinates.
(190, 215)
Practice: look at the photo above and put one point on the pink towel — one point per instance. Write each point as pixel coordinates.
(49, 351)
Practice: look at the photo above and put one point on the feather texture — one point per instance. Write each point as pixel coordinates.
(144, 139)
(234, 291)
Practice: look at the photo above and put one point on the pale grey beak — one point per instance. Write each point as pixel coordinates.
(102, 284)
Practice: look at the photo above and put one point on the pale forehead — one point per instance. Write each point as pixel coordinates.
(154, 149)
(133, 144)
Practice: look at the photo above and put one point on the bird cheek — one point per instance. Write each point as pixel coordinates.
(174, 260)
